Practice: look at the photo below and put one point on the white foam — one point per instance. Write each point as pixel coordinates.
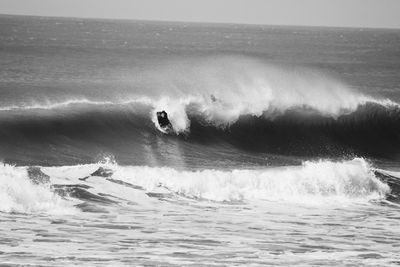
(54, 105)
(18, 194)
(317, 183)
(49, 105)
(314, 182)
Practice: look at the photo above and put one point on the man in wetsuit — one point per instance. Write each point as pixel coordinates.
(163, 120)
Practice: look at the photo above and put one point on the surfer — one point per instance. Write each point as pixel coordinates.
(163, 120)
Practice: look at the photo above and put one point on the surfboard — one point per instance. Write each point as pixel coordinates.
(166, 129)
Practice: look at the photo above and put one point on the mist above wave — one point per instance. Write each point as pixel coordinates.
(223, 89)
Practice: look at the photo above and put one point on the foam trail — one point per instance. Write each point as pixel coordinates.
(49, 105)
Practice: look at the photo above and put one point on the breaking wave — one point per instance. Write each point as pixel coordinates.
(220, 90)
(235, 101)
(87, 129)
(320, 182)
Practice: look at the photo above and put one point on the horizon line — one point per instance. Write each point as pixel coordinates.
(197, 22)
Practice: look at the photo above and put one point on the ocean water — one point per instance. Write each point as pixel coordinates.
(285, 149)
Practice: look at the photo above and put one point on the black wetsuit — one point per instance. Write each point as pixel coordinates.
(163, 120)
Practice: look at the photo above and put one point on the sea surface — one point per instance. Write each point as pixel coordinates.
(285, 149)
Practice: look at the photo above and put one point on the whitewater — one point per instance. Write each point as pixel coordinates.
(285, 146)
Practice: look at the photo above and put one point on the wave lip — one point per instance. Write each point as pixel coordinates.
(313, 182)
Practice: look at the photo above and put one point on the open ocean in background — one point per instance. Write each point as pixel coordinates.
(285, 152)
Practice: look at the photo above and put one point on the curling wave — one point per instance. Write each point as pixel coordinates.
(220, 89)
(227, 101)
(83, 131)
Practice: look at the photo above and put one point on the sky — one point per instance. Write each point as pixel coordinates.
(339, 13)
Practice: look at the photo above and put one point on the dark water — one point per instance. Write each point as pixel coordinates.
(285, 149)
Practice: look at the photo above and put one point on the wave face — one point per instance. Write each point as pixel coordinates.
(79, 132)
